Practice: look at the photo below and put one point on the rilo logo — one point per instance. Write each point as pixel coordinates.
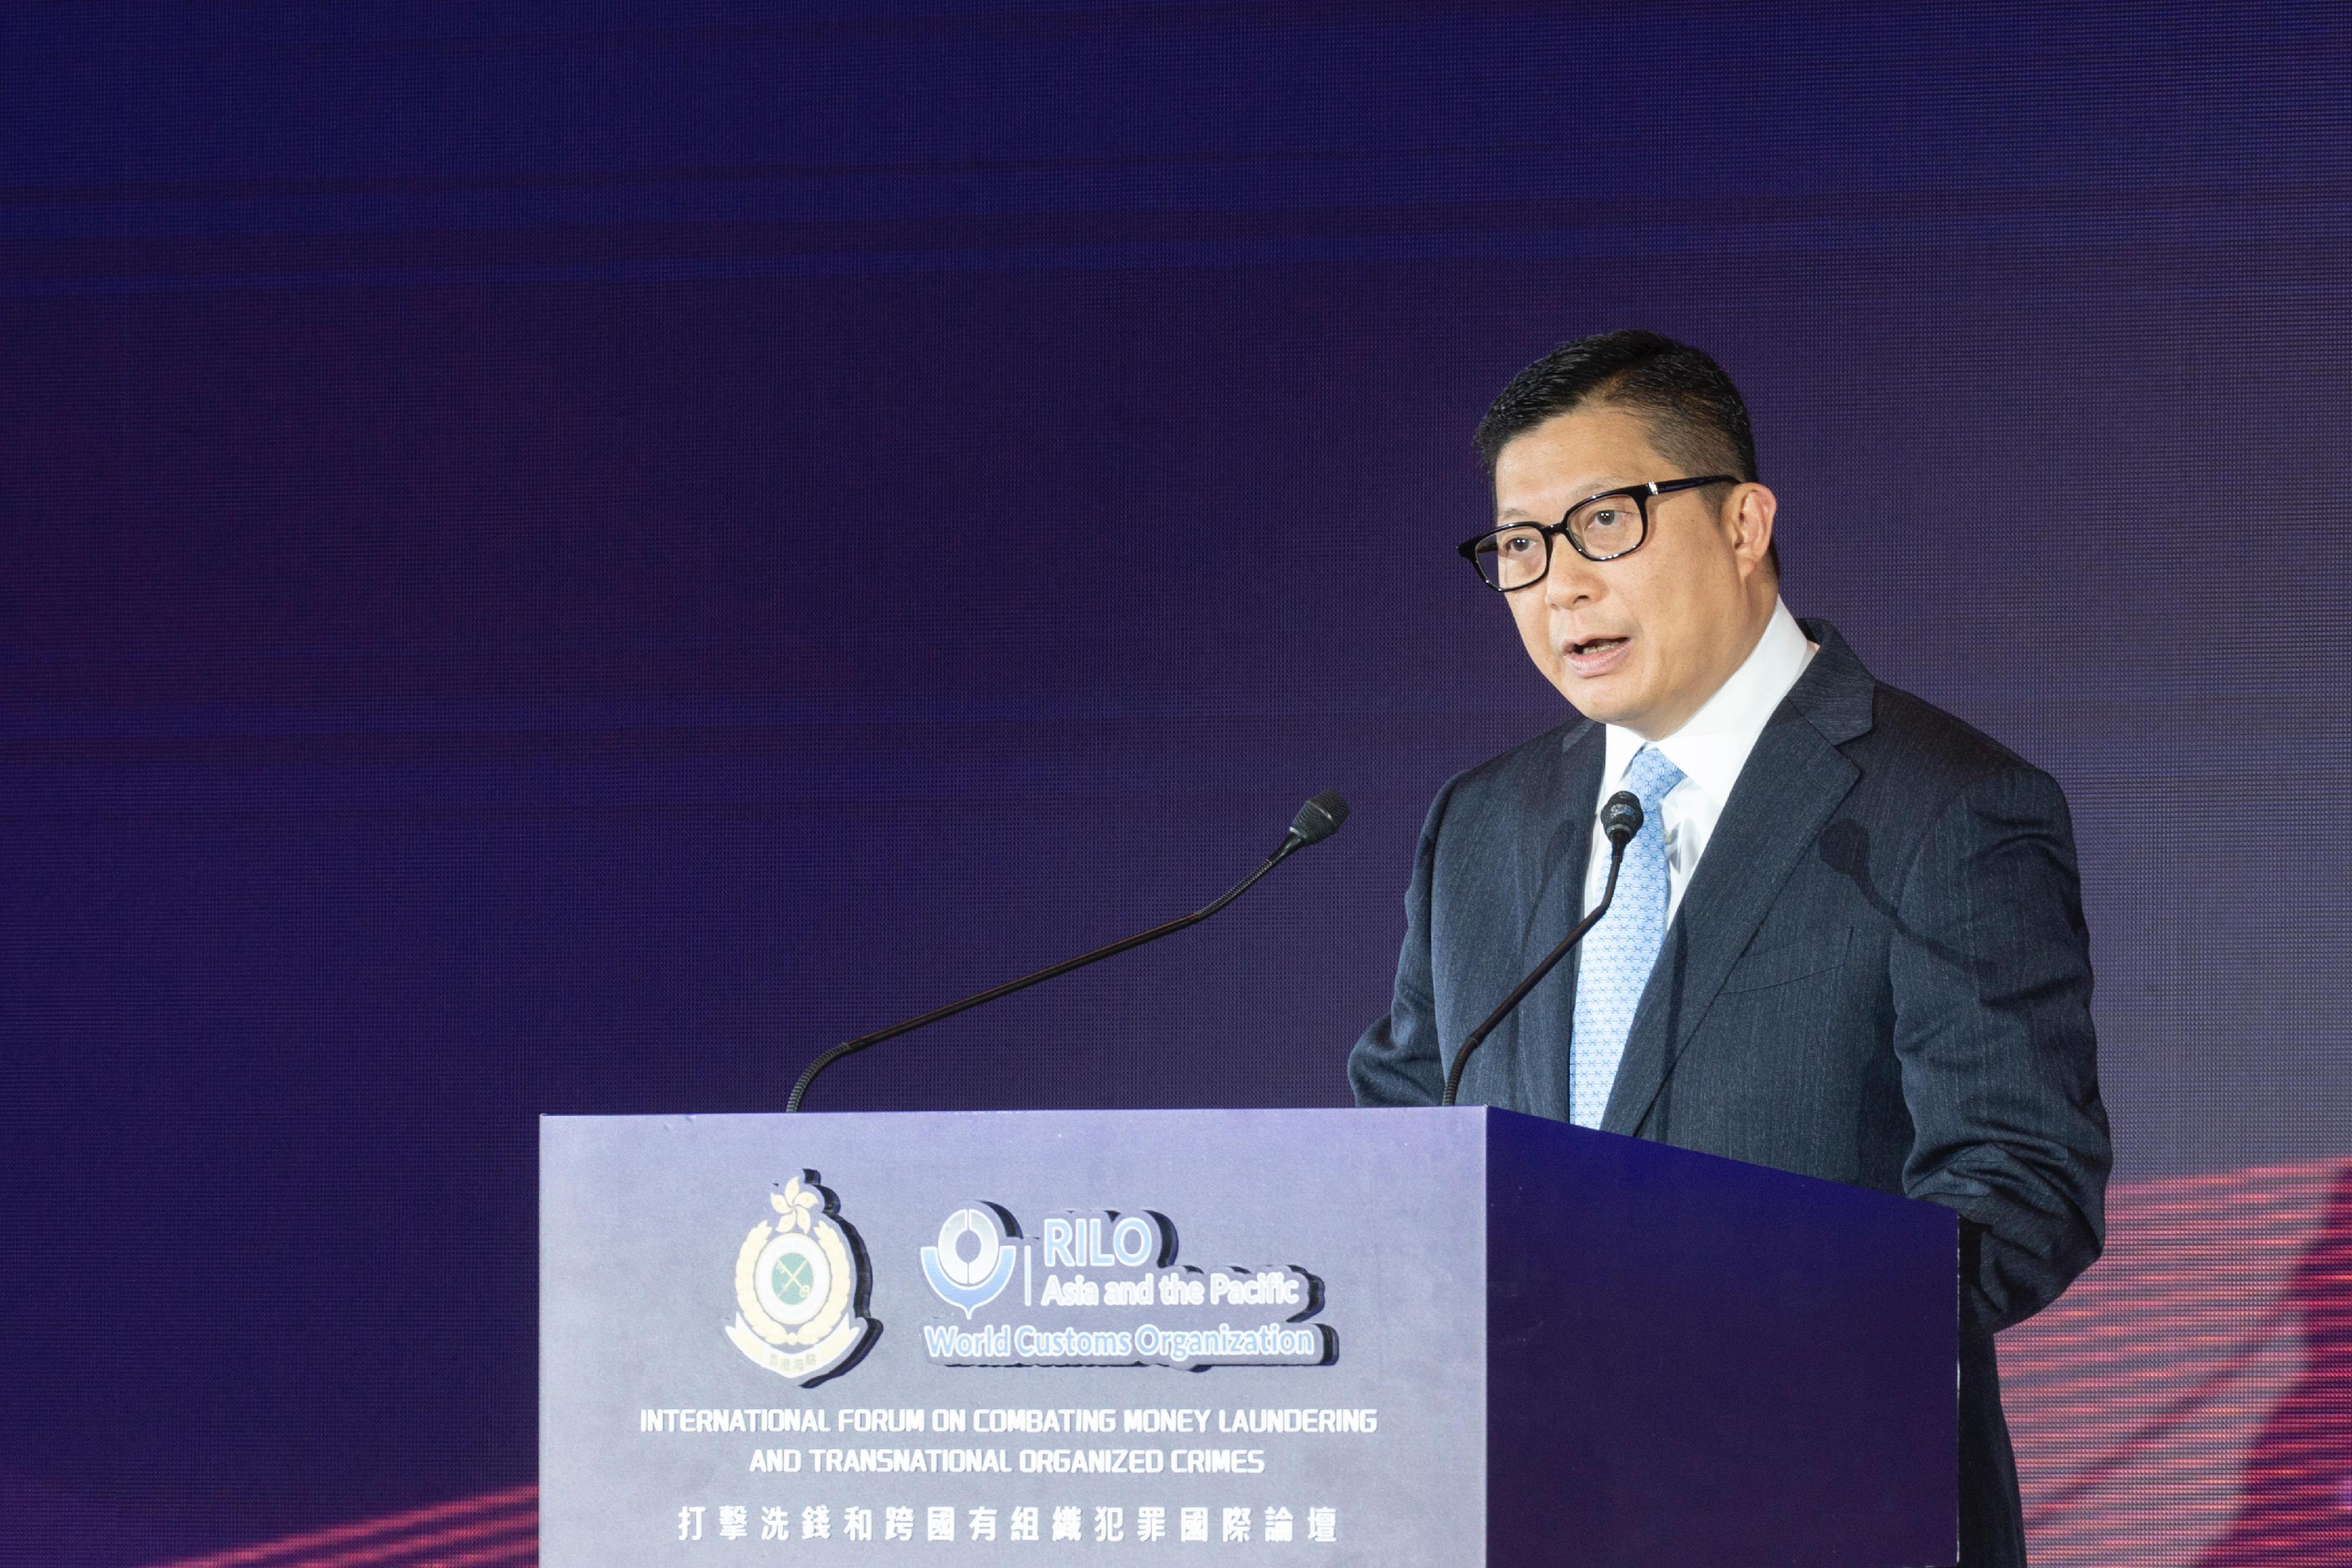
(800, 1288)
(971, 1265)
(1112, 1294)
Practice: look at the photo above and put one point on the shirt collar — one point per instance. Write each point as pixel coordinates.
(1713, 747)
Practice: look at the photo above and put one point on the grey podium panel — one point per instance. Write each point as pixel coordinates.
(1397, 1337)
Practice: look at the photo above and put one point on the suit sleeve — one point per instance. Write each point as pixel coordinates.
(1991, 977)
(1398, 1060)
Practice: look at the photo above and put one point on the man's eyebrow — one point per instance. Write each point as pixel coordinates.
(1605, 485)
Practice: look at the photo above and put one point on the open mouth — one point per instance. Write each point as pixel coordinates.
(1596, 655)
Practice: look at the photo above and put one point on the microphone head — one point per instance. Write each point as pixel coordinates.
(1620, 817)
(1319, 819)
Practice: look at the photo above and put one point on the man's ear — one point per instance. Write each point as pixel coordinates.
(1747, 521)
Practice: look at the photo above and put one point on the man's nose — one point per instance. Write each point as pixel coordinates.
(1572, 579)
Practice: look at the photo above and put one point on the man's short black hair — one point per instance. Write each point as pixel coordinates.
(1697, 419)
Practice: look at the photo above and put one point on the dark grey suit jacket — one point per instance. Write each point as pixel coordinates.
(1878, 975)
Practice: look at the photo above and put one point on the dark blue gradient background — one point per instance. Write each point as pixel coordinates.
(561, 560)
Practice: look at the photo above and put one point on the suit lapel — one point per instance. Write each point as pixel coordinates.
(1790, 785)
(1550, 863)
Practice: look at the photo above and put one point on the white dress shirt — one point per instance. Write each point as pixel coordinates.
(1710, 750)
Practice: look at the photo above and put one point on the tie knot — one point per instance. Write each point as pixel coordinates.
(1651, 777)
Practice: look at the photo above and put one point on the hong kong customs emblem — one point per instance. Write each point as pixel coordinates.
(801, 1286)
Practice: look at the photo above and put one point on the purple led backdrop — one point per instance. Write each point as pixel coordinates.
(563, 561)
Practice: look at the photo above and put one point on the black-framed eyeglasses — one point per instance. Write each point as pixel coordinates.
(1599, 528)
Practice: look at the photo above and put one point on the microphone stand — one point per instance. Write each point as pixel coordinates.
(1518, 994)
(1305, 830)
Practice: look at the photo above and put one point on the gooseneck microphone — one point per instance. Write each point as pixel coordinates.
(1317, 821)
(1620, 819)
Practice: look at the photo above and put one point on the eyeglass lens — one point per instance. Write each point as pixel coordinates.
(1601, 528)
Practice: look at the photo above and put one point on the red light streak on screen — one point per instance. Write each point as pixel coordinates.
(494, 1530)
(2189, 1403)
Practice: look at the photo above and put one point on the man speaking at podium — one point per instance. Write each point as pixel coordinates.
(1846, 941)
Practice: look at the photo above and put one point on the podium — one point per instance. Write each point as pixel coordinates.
(1394, 1337)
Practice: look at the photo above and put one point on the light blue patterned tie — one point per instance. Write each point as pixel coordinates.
(1619, 952)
